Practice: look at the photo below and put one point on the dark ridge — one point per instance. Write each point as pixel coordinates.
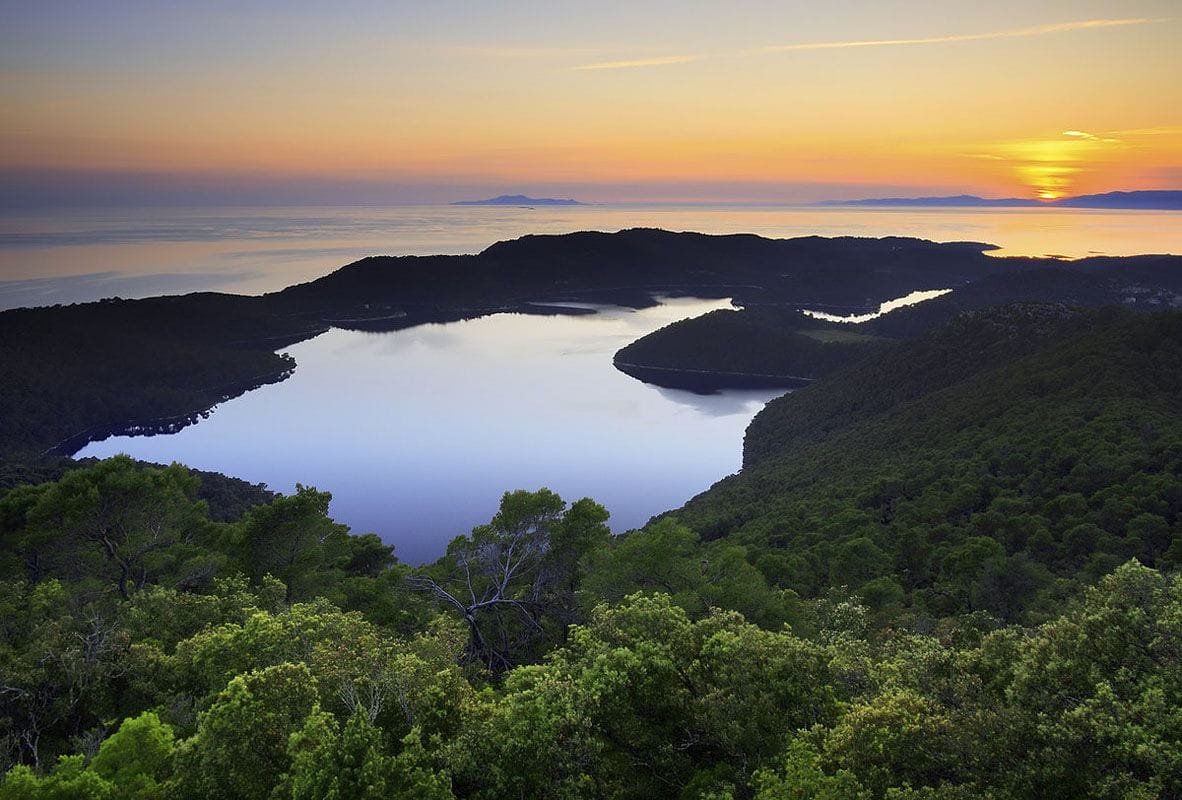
(975, 342)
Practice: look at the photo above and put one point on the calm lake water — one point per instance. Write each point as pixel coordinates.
(76, 255)
(417, 433)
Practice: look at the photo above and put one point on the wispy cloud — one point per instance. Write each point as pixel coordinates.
(1089, 137)
(1159, 131)
(1014, 33)
(518, 52)
(640, 62)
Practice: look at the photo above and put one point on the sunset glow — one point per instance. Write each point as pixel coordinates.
(722, 102)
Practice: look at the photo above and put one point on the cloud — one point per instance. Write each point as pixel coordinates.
(640, 62)
(1089, 137)
(1159, 131)
(1052, 166)
(518, 52)
(1016, 33)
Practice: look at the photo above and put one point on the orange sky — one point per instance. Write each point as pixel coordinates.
(640, 101)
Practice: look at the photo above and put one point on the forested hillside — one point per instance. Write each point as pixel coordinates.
(992, 465)
(948, 572)
(70, 373)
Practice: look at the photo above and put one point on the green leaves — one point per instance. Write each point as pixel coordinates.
(355, 764)
(240, 750)
(137, 758)
(513, 581)
(294, 540)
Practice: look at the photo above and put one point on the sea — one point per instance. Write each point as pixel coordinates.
(76, 255)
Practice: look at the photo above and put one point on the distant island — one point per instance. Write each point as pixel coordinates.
(1164, 200)
(517, 200)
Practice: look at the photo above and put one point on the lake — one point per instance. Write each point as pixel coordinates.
(417, 433)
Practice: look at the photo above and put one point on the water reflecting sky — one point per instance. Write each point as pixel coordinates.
(418, 432)
(67, 256)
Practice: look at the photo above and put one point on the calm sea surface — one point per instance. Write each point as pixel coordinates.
(77, 255)
(418, 432)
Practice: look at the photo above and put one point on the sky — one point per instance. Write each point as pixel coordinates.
(749, 101)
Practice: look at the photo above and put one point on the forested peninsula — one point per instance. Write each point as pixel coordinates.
(948, 569)
(775, 344)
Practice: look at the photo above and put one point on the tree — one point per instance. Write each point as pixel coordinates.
(69, 780)
(354, 765)
(801, 778)
(350, 765)
(57, 667)
(666, 557)
(129, 522)
(294, 539)
(519, 568)
(137, 758)
(240, 749)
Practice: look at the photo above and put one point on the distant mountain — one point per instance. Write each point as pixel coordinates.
(517, 200)
(1165, 200)
(960, 200)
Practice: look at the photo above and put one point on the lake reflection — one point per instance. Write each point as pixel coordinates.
(418, 432)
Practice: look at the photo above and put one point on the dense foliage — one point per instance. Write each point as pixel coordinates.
(936, 482)
(724, 347)
(68, 373)
(959, 584)
(233, 692)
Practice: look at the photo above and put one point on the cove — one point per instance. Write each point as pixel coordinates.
(418, 432)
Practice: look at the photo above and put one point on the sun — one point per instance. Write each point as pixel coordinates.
(1047, 194)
